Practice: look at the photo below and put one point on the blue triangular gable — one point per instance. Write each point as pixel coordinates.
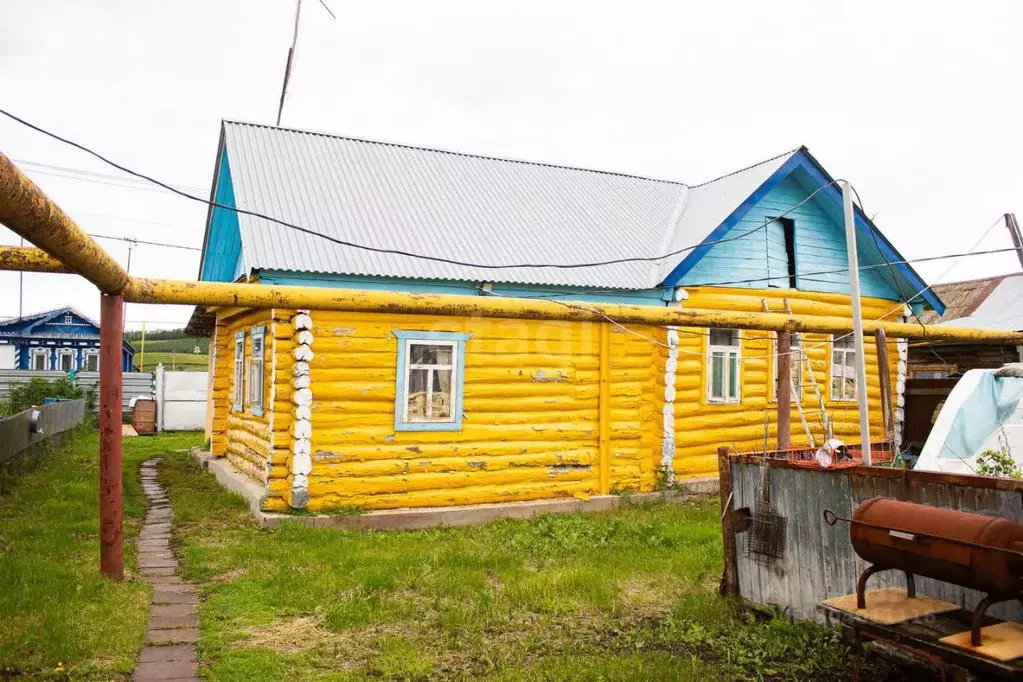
(223, 247)
(747, 262)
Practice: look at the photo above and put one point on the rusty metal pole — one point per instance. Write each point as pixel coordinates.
(730, 576)
(111, 553)
(784, 379)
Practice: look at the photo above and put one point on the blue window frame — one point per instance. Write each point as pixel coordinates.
(431, 377)
(256, 363)
(239, 371)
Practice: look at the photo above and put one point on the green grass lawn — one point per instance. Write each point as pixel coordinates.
(58, 618)
(623, 595)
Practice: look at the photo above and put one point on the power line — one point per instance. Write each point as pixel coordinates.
(803, 275)
(93, 174)
(147, 243)
(399, 252)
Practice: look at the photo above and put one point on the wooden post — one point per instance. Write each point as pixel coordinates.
(885, 379)
(730, 578)
(784, 365)
(111, 552)
(604, 409)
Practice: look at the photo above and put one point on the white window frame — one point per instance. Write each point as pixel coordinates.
(255, 370)
(69, 319)
(430, 370)
(844, 351)
(61, 354)
(86, 354)
(795, 360)
(726, 376)
(39, 353)
(239, 372)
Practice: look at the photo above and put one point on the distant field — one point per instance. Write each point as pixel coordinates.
(172, 345)
(178, 361)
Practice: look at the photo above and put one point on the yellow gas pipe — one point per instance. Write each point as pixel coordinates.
(30, 213)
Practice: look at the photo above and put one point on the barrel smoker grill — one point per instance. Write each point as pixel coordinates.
(980, 552)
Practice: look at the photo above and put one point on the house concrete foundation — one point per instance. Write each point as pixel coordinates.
(688, 490)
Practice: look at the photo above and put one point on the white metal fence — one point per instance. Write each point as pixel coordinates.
(181, 399)
(180, 396)
(135, 383)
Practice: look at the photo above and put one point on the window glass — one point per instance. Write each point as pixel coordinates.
(843, 368)
(39, 360)
(724, 366)
(91, 362)
(795, 366)
(429, 369)
(724, 337)
(239, 370)
(256, 365)
(67, 361)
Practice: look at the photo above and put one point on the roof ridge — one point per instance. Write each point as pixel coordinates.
(437, 150)
(752, 165)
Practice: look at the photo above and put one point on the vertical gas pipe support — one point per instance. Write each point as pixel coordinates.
(111, 557)
(604, 410)
(784, 382)
(857, 320)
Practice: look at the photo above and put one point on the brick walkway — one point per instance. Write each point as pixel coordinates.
(169, 653)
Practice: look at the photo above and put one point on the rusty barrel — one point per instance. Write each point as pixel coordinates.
(921, 540)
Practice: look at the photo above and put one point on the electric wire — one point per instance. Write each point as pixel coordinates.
(401, 252)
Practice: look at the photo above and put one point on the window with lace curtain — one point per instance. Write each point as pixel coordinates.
(428, 395)
(843, 367)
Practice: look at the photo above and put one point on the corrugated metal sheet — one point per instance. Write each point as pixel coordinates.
(1002, 308)
(462, 207)
(134, 383)
(711, 203)
(960, 298)
(819, 562)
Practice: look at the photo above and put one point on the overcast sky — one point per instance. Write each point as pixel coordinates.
(917, 104)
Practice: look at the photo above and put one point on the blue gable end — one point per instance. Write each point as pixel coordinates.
(222, 259)
(759, 260)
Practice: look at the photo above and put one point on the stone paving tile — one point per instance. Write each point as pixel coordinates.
(173, 630)
(160, 571)
(165, 670)
(171, 652)
(179, 636)
(173, 622)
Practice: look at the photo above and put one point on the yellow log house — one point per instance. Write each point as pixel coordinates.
(376, 410)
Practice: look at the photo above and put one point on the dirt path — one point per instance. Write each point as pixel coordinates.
(173, 630)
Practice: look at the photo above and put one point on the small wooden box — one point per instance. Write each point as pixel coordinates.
(143, 417)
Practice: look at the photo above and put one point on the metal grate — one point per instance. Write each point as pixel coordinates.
(765, 540)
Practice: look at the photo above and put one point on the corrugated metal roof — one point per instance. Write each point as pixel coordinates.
(960, 298)
(458, 206)
(711, 203)
(990, 307)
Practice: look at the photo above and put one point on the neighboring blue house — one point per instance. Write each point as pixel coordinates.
(61, 339)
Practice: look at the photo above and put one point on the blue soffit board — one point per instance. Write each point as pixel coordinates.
(819, 178)
(222, 247)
